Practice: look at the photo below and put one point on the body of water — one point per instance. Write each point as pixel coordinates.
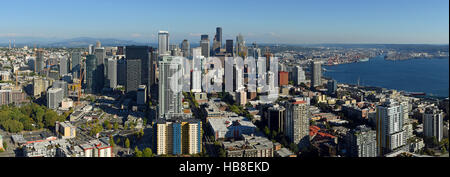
(415, 75)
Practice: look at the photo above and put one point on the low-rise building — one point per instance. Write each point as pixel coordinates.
(231, 127)
(250, 146)
(65, 130)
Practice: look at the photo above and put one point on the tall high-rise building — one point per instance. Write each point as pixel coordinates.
(100, 54)
(39, 64)
(283, 78)
(111, 80)
(296, 126)
(332, 87)
(361, 142)
(276, 117)
(91, 49)
(143, 54)
(229, 47)
(63, 85)
(121, 72)
(163, 42)
(54, 97)
(76, 64)
(217, 43)
(153, 68)
(316, 74)
(141, 98)
(204, 44)
(241, 49)
(433, 123)
(170, 86)
(185, 48)
(39, 85)
(98, 44)
(63, 66)
(389, 124)
(298, 75)
(133, 76)
(176, 137)
(93, 76)
(219, 35)
(254, 51)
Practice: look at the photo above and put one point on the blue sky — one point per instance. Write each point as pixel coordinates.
(263, 21)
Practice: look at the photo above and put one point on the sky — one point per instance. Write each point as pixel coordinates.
(261, 21)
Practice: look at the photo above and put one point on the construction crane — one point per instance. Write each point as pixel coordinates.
(79, 83)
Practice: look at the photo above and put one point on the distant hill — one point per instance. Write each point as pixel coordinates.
(85, 41)
(70, 43)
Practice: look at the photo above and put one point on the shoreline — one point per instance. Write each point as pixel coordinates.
(330, 69)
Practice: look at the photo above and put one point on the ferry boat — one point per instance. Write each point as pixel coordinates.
(364, 60)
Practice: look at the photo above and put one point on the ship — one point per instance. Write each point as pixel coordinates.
(364, 60)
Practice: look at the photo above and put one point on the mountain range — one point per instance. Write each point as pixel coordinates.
(71, 43)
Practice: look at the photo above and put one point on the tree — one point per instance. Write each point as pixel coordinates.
(116, 126)
(111, 141)
(137, 152)
(127, 143)
(118, 140)
(222, 153)
(141, 133)
(266, 130)
(50, 118)
(107, 124)
(147, 152)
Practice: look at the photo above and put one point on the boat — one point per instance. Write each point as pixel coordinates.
(364, 60)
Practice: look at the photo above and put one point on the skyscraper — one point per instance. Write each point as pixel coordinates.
(241, 49)
(39, 64)
(54, 97)
(185, 48)
(91, 49)
(298, 75)
(76, 64)
(100, 54)
(390, 133)
(217, 43)
(297, 122)
(121, 72)
(143, 54)
(204, 44)
(433, 124)
(92, 75)
(63, 66)
(120, 50)
(229, 47)
(332, 87)
(63, 85)
(361, 142)
(133, 76)
(316, 74)
(254, 51)
(163, 42)
(219, 35)
(141, 98)
(170, 86)
(111, 80)
(276, 117)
